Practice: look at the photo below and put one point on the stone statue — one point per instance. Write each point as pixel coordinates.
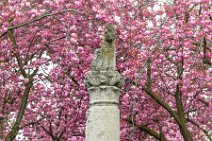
(109, 37)
(103, 83)
(104, 58)
(103, 68)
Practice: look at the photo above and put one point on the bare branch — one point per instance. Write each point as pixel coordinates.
(148, 130)
(40, 18)
(203, 130)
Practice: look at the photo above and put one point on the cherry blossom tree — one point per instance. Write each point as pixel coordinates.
(163, 50)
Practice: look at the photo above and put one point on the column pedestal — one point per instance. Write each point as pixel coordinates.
(103, 123)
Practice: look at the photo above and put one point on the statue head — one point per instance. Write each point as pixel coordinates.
(109, 36)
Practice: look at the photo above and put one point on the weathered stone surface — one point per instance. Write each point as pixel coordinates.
(104, 95)
(104, 58)
(103, 123)
(104, 83)
(103, 78)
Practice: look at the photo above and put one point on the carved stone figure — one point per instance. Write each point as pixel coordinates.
(109, 37)
(103, 83)
(104, 58)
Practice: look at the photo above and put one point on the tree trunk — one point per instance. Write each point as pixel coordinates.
(183, 122)
(15, 128)
(185, 132)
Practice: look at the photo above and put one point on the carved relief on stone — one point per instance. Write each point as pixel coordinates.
(103, 78)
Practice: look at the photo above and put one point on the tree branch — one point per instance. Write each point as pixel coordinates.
(148, 130)
(17, 56)
(203, 130)
(154, 96)
(40, 18)
(16, 126)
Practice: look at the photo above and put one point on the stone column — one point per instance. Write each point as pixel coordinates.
(103, 83)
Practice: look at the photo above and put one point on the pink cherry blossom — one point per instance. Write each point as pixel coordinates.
(46, 47)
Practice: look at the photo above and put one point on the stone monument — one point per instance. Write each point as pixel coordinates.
(103, 83)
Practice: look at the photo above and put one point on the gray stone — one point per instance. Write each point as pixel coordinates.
(103, 83)
(103, 123)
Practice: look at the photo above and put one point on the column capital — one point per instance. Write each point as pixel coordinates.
(103, 78)
(104, 86)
